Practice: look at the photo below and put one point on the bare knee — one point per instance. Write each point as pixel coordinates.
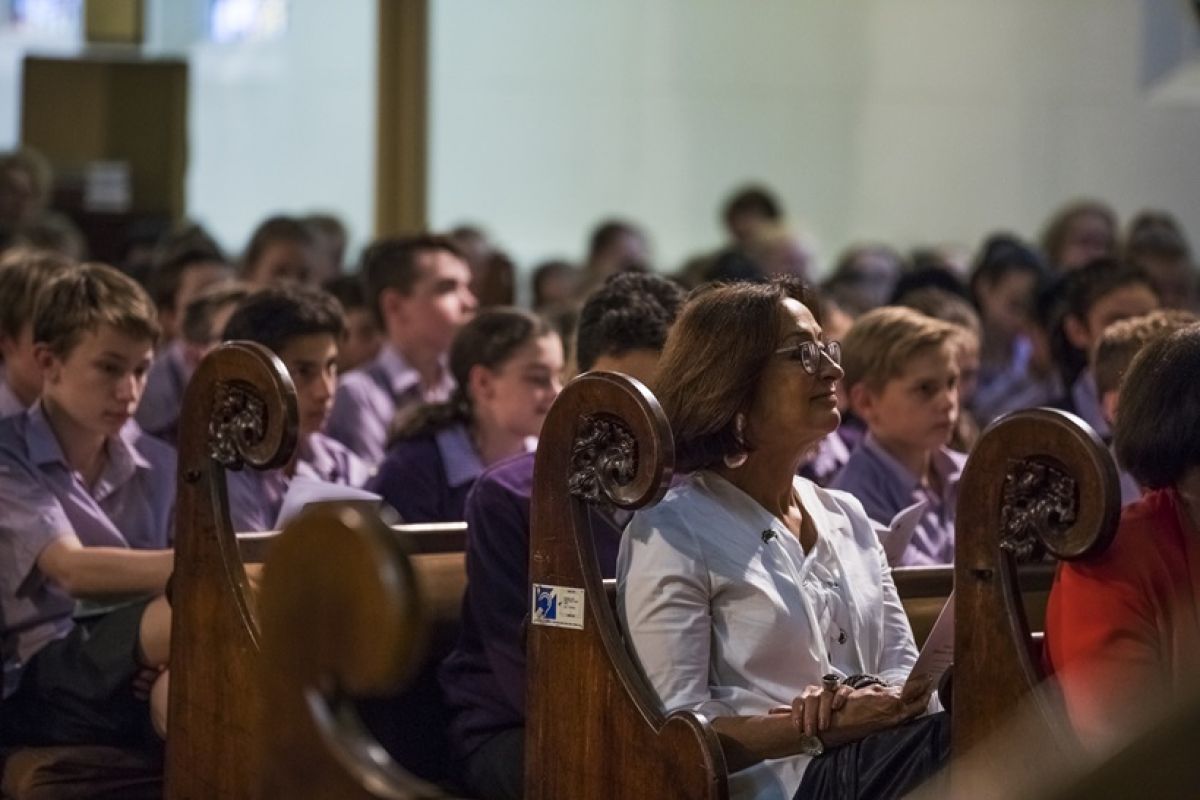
(154, 635)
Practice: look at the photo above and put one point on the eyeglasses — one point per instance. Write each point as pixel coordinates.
(808, 353)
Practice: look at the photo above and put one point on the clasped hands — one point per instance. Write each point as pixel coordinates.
(846, 714)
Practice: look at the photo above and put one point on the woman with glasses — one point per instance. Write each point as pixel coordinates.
(755, 597)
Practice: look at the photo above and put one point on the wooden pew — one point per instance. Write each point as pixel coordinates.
(239, 410)
(342, 616)
(1037, 480)
(594, 726)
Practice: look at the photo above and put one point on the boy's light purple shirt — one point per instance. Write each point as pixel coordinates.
(43, 500)
(368, 399)
(885, 486)
(255, 496)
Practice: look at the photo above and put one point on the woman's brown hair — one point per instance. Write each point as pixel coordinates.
(710, 368)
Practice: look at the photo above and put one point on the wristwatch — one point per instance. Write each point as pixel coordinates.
(811, 746)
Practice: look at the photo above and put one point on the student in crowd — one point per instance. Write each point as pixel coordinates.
(746, 585)
(1123, 629)
(1110, 360)
(303, 327)
(1003, 285)
(554, 284)
(951, 307)
(614, 246)
(23, 275)
(749, 209)
(1162, 253)
(26, 182)
(902, 376)
(864, 278)
(419, 288)
(186, 262)
(1079, 233)
(363, 339)
(1093, 297)
(329, 238)
(622, 328)
(201, 322)
(507, 365)
(824, 463)
(88, 503)
(281, 249)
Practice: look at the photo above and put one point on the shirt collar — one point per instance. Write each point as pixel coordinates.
(316, 458)
(946, 463)
(401, 377)
(123, 457)
(460, 459)
(9, 402)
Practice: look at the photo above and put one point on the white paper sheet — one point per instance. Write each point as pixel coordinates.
(938, 653)
(302, 491)
(899, 533)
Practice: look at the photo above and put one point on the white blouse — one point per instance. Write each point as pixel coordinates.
(728, 616)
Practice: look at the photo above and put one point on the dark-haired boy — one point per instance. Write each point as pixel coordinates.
(420, 290)
(303, 327)
(622, 328)
(23, 274)
(88, 502)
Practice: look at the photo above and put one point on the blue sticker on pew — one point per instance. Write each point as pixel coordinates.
(557, 606)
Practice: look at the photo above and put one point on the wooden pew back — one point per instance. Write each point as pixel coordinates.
(343, 615)
(1037, 480)
(239, 409)
(594, 727)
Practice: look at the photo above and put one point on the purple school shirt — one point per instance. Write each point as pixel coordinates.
(162, 399)
(484, 676)
(885, 487)
(44, 500)
(255, 496)
(426, 479)
(1011, 387)
(368, 399)
(1085, 403)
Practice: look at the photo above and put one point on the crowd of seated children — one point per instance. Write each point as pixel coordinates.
(1093, 297)
(1110, 360)
(303, 327)
(362, 340)
(1078, 234)
(419, 288)
(748, 589)
(88, 502)
(1123, 630)
(282, 249)
(622, 327)
(901, 375)
(23, 274)
(507, 366)
(185, 263)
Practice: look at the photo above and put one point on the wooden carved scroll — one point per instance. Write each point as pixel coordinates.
(594, 727)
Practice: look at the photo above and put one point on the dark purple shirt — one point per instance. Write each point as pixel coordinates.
(427, 478)
(484, 676)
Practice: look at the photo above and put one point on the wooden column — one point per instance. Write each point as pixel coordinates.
(402, 116)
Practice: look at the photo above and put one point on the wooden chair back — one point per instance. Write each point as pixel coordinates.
(1038, 481)
(342, 615)
(239, 409)
(594, 726)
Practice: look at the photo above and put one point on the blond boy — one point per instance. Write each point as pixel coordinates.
(902, 377)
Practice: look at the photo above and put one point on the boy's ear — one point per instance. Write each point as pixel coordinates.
(1108, 405)
(391, 303)
(861, 401)
(1077, 332)
(47, 361)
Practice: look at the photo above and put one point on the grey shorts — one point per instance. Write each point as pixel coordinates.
(79, 689)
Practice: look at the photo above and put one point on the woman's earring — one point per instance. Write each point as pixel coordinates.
(733, 461)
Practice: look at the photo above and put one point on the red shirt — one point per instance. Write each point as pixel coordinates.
(1123, 630)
